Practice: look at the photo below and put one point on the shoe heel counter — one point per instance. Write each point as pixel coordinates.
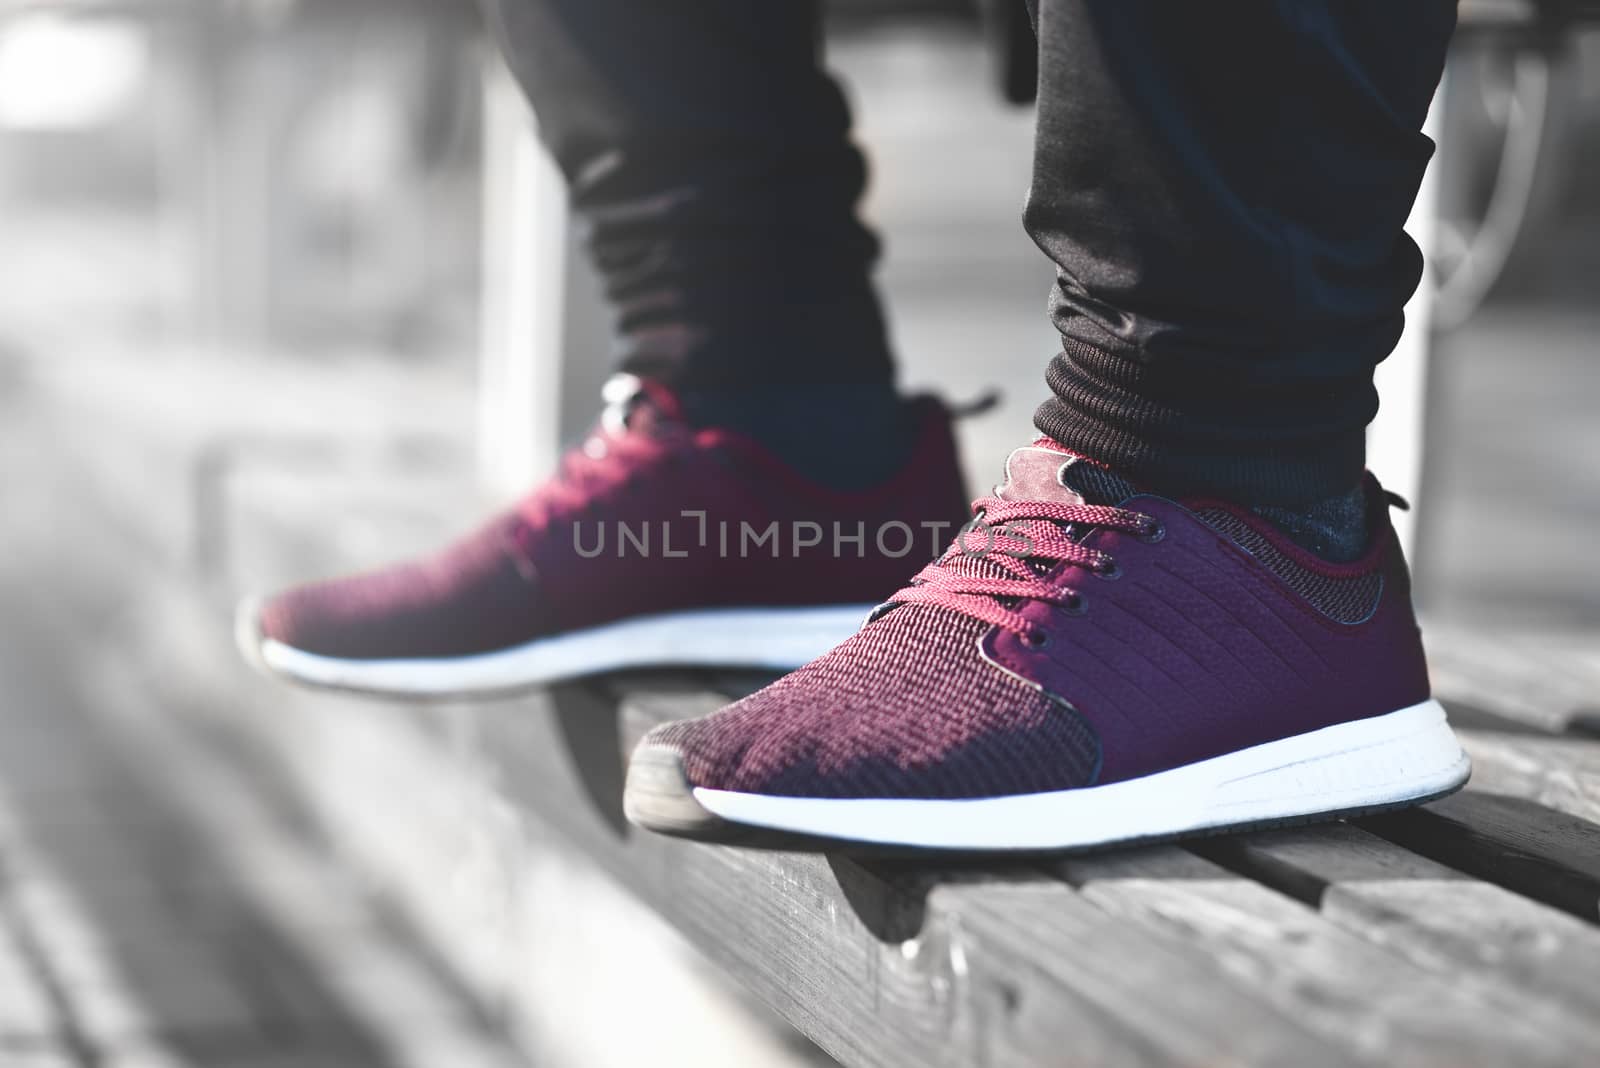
(1399, 629)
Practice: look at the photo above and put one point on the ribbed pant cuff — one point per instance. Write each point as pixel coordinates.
(1180, 431)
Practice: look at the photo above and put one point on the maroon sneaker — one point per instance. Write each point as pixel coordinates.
(1086, 665)
(656, 543)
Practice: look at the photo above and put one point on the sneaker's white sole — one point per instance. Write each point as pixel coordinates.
(1382, 762)
(771, 639)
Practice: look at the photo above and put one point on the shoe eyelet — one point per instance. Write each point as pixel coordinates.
(1036, 639)
(1076, 605)
(1111, 572)
(1154, 533)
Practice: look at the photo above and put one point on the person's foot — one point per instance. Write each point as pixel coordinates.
(1086, 665)
(656, 543)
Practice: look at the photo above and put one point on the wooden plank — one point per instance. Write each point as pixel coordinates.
(1436, 916)
(1560, 772)
(1342, 986)
(889, 963)
(1071, 985)
(1549, 680)
(1535, 851)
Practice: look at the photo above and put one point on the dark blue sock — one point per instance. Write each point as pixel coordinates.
(846, 436)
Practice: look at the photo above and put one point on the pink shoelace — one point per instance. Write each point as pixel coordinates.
(604, 463)
(1012, 533)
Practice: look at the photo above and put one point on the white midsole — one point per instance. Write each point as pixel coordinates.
(774, 639)
(1383, 760)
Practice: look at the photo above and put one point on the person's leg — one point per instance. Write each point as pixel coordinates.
(709, 156)
(747, 495)
(1222, 192)
(1122, 647)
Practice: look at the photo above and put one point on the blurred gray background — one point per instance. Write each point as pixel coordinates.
(241, 285)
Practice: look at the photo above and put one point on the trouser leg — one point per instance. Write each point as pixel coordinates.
(708, 154)
(1222, 189)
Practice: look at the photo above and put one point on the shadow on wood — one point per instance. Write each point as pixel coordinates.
(587, 722)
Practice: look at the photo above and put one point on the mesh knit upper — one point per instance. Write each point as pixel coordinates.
(470, 596)
(906, 708)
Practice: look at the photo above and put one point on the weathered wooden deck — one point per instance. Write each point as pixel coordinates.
(1461, 933)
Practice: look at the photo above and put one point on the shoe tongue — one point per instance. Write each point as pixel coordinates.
(1041, 472)
(1044, 471)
